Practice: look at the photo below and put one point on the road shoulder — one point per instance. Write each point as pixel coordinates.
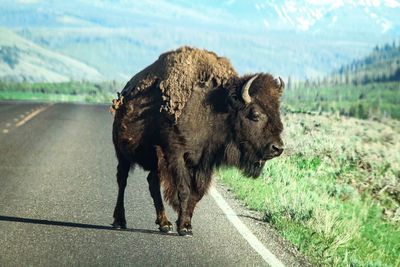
(286, 252)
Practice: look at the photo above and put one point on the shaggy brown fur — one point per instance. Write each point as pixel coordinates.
(166, 180)
(178, 73)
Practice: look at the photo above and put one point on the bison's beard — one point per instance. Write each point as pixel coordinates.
(249, 163)
(252, 168)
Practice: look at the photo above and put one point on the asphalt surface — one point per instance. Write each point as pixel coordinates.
(58, 191)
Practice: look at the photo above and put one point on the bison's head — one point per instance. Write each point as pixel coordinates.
(257, 124)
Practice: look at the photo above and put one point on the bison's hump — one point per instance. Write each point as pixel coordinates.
(178, 72)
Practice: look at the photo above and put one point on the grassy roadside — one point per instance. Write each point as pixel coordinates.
(89, 92)
(52, 97)
(335, 193)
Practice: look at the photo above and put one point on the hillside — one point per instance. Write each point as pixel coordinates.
(372, 100)
(365, 88)
(119, 53)
(304, 39)
(381, 65)
(22, 60)
(334, 192)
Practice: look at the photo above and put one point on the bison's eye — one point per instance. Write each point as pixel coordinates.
(256, 116)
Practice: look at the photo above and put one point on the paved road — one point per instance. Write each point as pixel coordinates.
(58, 190)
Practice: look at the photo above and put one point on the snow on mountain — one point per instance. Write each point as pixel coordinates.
(308, 15)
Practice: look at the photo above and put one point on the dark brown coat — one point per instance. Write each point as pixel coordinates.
(180, 126)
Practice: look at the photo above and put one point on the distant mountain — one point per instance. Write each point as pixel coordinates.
(381, 65)
(22, 60)
(303, 39)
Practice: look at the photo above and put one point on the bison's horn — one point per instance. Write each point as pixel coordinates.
(280, 83)
(245, 90)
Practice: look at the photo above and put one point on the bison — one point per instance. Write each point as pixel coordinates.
(183, 116)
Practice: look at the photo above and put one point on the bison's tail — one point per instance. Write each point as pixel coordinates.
(167, 181)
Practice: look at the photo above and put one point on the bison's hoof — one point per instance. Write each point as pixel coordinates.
(166, 228)
(185, 232)
(119, 225)
(164, 225)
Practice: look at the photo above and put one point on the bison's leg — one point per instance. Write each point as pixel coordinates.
(197, 193)
(193, 200)
(177, 173)
(184, 219)
(154, 186)
(183, 188)
(122, 175)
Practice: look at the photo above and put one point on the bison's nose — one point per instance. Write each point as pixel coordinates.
(276, 149)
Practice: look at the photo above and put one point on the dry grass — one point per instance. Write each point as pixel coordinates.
(371, 149)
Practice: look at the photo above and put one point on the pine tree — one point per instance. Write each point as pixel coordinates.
(289, 83)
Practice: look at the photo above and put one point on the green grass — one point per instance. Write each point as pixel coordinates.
(335, 193)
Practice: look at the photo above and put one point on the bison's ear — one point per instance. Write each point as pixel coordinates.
(280, 85)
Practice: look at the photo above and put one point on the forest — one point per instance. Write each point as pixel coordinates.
(365, 88)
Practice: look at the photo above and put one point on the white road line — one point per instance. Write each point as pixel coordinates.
(256, 244)
(5, 131)
(30, 116)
